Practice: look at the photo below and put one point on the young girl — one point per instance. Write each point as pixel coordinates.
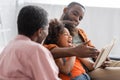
(70, 67)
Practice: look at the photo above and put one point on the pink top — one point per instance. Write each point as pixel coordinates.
(23, 59)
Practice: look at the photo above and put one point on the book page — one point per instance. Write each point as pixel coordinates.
(103, 54)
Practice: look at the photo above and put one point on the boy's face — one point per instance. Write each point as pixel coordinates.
(65, 39)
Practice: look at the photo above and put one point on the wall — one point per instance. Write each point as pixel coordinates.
(8, 15)
(101, 24)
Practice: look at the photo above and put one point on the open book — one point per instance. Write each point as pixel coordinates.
(103, 54)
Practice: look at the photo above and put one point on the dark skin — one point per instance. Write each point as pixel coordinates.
(67, 52)
(74, 51)
(73, 16)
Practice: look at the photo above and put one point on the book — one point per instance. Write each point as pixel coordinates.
(103, 54)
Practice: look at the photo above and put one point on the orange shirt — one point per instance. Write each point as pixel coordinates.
(76, 71)
(50, 46)
(84, 36)
(77, 68)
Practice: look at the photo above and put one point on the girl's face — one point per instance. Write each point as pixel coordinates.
(65, 39)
